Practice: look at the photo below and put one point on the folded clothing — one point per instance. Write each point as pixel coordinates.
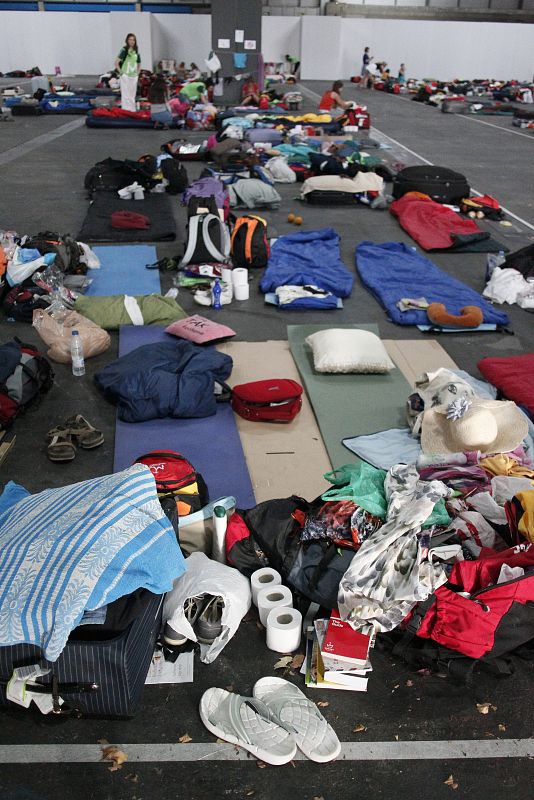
(115, 310)
(129, 220)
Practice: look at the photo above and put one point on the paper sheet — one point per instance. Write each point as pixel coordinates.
(223, 44)
(161, 671)
(239, 36)
(250, 44)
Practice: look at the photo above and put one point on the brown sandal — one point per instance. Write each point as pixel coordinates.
(61, 447)
(86, 436)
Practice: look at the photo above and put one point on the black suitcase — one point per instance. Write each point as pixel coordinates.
(103, 678)
(325, 197)
(24, 110)
(441, 184)
(523, 113)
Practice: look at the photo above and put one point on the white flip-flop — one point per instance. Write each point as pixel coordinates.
(300, 717)
(247, 722)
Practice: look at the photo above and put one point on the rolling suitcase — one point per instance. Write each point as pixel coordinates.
(441, 184)
(95, 678)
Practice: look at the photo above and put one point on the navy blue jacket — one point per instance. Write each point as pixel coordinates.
(167, 379)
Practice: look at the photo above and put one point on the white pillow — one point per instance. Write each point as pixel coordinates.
(348, 350)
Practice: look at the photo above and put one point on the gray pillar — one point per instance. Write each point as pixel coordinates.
(227, 17)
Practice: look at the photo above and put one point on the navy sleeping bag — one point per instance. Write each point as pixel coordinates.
(310, 257)
(393, 270)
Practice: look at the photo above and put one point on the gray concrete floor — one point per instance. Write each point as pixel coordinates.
(43, 189)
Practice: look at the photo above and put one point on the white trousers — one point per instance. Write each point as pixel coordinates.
(128, 92)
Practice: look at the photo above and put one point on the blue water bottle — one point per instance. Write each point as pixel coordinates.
(217, 291)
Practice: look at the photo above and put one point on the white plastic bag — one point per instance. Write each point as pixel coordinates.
(213, 63)
(280, 170)
(205, 576)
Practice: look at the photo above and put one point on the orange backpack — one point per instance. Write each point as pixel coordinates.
(249, 246)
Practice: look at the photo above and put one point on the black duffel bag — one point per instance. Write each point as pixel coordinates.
(441, 184)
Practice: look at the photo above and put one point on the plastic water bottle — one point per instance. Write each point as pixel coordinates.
(76, 353)
(217, 291)
(494, 260)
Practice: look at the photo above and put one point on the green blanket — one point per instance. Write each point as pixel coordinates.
(110, 312)
(348, 405)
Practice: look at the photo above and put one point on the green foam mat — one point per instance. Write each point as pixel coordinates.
(348, 405)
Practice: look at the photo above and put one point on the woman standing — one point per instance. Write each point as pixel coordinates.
(129, 65)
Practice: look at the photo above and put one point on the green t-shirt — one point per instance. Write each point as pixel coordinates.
(130, 59)
(191, 90)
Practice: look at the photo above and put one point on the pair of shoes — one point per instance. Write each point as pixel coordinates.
(204, 614)
(271, 724)
(63, 438)
(132, 192)
(204, 297)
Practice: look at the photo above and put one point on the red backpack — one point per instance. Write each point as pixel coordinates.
(176, 476)
(25, 375)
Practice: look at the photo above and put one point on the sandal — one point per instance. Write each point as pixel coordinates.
(87, 436)
(61, 446)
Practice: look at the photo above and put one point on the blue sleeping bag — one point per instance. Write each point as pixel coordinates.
(310, 257)
(393, 270)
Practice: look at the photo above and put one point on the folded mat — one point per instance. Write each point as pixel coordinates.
(348, 405)
(392, 271)
(122, 271)
(157, 207)
(116, 310)
(212, 444)
(436, 227)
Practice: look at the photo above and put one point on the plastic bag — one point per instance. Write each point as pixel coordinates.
(204, 576)
(56, 332)
(213, 62)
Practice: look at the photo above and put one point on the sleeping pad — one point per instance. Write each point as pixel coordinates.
(392, 271)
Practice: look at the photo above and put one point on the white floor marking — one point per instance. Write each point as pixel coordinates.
(314, 95)
(350, 751)
(26, 147)
(497, 127)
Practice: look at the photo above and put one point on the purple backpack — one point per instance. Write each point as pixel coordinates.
(209, 187)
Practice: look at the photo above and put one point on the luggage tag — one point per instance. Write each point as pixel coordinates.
(18, 691)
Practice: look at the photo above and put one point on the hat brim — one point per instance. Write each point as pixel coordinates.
(438, 433)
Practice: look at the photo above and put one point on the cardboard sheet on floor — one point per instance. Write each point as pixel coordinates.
(123, 271)
(157, 207)
(282, 459)
(212, 444)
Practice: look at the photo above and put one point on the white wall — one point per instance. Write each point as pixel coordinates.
(280, 36)
(436, 49)
(184, 37)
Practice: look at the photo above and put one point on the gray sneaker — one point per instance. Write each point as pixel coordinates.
(192, 608)
(209, 624)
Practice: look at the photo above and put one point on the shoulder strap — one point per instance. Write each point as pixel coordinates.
(223, 253)
(192, 237)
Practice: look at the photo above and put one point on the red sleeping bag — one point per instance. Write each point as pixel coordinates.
(117, 113)
(513, 376)
(431, 224)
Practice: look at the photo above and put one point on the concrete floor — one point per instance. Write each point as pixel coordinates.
(42, 188)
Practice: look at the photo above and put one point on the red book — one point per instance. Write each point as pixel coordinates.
(343, 647)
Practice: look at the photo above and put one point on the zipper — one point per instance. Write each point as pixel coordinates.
(498, 585)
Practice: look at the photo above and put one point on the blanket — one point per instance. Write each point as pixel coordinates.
(436, 227)
(311, 257)
(393, 270)
(80, 547)
(157, 207)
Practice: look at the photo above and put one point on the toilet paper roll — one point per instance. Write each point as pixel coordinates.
(265, 578)
(276, 597)
(241, 292)
(284, 627)
(226, 275)
(240, 276)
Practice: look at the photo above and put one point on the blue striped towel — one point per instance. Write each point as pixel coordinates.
(80, 547)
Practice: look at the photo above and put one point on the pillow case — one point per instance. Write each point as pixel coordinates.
(348, 350)
(199, 330)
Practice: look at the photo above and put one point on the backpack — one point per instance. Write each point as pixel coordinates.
(65, 247)
(175, 476)
(249, 246)
(175, 174)
(111, 175)
(21, 301)
(208, 240)
(209, 187)
(25, 375)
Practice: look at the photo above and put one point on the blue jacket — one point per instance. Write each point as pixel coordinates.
(308, 257)
(166, 379)
(393, 270)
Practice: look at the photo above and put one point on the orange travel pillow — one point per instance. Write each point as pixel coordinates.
(469, 317)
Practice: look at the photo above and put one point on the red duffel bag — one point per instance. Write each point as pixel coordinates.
(273, 400)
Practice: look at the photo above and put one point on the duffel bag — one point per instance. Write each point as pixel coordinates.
(273, 400)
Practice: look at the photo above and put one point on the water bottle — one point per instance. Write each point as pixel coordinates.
(494, 260)
(220, 523)
(217, 291)
(76, 353)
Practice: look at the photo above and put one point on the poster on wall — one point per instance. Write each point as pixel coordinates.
(239, 36)
(223, 44)
(250, 44)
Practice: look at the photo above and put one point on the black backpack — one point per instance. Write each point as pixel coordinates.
(65, 247)
(21, 301)
(249, 243)
(175, 174)
(111, 175)
(25, 375)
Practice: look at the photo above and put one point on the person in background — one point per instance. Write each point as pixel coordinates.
(401, 77)
(181, 72)
(293, 64)
(250, 94)
(332, 102)
(159, 108)
(128, 63)
(194, 73)
(366, 60)
(193, 92)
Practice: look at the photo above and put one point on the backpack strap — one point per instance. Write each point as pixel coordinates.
(192, 237)
(218, 255)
